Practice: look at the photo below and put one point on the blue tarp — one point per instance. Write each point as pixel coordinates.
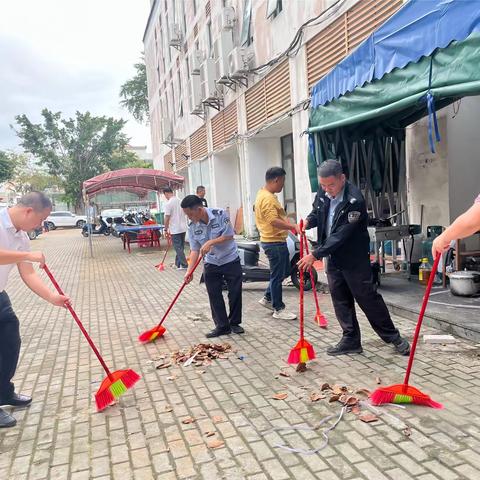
(416, 30)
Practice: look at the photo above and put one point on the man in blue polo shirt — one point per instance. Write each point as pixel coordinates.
(211, 235)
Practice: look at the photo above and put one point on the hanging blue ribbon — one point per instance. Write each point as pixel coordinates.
(311, 145)
(432, 114)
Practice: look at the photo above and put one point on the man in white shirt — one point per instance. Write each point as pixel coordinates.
(176, 226)
(28, 214)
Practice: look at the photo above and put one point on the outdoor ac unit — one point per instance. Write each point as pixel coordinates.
(195, 94)
(175, 35)
(167, 130)
(197, 60)
(209, 87)
(239, 61)
(226, 19)
(222, 48)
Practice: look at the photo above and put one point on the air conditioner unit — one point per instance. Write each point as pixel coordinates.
(167, 129)
(222, 48)
(226, 19)
(195, 94)
(239, 61)
(210, 90)
(175, 35)
(197, 60)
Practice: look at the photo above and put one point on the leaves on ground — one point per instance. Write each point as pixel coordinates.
(280, 396)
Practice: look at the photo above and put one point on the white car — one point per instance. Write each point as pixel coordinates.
(65, 219)
(112, 212)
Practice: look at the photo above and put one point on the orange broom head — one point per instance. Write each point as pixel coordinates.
(400, 394)
(115, 386)
(160, 267)
(152, 334)
(301, 353)
(321, 320)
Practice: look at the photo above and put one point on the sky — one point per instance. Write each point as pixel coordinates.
(68, 55)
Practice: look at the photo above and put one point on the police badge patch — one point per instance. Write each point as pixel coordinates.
(353, 216)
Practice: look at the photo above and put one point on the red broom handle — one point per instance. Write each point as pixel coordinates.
(420, 318)
(302, 285)
(166, 250)
(312, 281)
(179, 292)
(79, 323)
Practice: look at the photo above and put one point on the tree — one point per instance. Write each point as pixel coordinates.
(7, 167)
(29, 176)
(135, 94)
(75, 149)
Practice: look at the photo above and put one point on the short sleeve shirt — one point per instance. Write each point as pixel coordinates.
(178, 221)
(10, 239)
(218, 225)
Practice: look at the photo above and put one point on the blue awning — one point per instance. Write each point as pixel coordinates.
(416, 30)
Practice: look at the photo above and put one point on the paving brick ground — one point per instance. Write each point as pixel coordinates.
(119, 295)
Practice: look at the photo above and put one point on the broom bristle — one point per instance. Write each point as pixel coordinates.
(294, 356)
(104, 399)
(152, 334)
(400, 394)
(321, 320)
(114, 386)
(381, 396)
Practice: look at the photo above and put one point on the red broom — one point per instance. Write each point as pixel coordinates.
(161, 267)
(404, 393)
(303, 351)
(116, 383)
(320, 319)
(159, 330)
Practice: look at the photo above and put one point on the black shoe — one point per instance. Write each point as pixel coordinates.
(217, 333)
(343, 348)
(402, 346)
(6, 420)
(16, 400)
(237, 329)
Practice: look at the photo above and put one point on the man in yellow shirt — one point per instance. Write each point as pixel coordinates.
(273, 226)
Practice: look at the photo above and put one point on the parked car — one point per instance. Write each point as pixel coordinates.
(112, 212)
(65, 219)
(33, 234)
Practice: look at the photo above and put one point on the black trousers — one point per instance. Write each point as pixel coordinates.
(348, 286)
(9, 346)
(214, 276)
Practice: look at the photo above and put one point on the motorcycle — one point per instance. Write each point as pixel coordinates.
(249, 253)
(103, 229)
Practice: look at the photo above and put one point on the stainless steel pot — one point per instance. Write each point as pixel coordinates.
(465, 283)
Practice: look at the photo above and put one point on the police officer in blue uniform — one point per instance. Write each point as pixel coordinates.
(340, 215)
(211, 235)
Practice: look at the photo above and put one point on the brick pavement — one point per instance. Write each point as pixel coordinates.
(119, 295)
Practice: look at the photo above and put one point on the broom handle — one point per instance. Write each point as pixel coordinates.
(79, 323)
(312, 281)
(179, 292)
(420, 318)
(302, 280)
(166, 250)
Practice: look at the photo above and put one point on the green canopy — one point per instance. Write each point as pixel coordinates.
(397, 98)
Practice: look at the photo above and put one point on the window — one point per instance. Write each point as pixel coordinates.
(180, 95)
(274, 7)
(246, 38)
(209, 40)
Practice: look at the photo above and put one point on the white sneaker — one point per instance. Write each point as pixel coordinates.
(284, 315)
(266, 303)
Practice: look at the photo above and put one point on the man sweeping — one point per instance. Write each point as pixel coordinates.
(28, 214)
(340, 215)
(211, 235)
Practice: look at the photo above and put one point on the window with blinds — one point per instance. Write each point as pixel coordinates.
(342, 36)
(224, 126)
(198, 143)
(269, 97)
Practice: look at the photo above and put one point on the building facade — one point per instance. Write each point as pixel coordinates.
(229, 85)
